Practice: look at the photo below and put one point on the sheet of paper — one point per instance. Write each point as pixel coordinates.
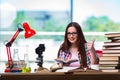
(66, 69)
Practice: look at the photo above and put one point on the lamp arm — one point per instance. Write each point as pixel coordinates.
(9, 44)
(14, 37)
(9, 57)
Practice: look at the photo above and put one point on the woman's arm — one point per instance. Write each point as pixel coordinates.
(94, 57)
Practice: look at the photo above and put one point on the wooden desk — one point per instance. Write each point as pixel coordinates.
(61, 76)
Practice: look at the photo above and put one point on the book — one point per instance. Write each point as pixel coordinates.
(107, 67)
(111, 47)
(111, 54)
(111, 44)
(58, 67)
(109, 58)
(66, 61)
(109, 62)
(114, 39)
(112, 34)
(83, 70)
(111, 51)
(66, 69)
(110, 70)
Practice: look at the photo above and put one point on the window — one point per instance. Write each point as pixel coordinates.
(44, 16)
(97, 16)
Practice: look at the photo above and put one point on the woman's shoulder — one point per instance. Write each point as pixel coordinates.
(62, 51)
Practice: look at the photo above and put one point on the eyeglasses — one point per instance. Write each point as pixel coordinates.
(72, 33)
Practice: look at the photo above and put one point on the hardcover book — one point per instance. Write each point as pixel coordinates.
(110, 58)
(111, 47)
(111, 54)
(111, 51)
(108, 62)
(110, 70)
(109, 65)
(111, 44)
(112, 34)
(107, 68)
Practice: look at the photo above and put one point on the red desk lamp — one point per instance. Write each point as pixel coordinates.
(28, 33)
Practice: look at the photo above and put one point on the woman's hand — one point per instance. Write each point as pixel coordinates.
(90, 45)
(56, 66)
(94, 58)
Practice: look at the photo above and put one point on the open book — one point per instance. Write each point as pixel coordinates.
(57, 66)
(66, 61)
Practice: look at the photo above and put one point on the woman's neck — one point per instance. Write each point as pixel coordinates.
(73, 45)
(74, 48)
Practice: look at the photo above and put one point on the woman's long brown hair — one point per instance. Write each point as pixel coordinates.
(80, 43)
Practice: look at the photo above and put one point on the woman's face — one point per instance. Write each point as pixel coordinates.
(72, 34)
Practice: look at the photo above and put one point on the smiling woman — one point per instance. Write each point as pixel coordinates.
(75, 46)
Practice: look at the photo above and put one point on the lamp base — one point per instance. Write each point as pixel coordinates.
(15, 67)
(41, 69)
(13, 70)
(7, 70)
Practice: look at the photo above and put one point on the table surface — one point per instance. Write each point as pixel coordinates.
(77, 75)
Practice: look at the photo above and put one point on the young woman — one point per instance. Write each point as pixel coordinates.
(76, 47)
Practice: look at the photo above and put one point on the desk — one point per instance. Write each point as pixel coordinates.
(61, 76)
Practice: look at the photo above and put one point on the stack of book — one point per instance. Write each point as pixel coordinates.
(110, 60)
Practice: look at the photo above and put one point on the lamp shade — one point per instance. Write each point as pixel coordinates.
(28, 31)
